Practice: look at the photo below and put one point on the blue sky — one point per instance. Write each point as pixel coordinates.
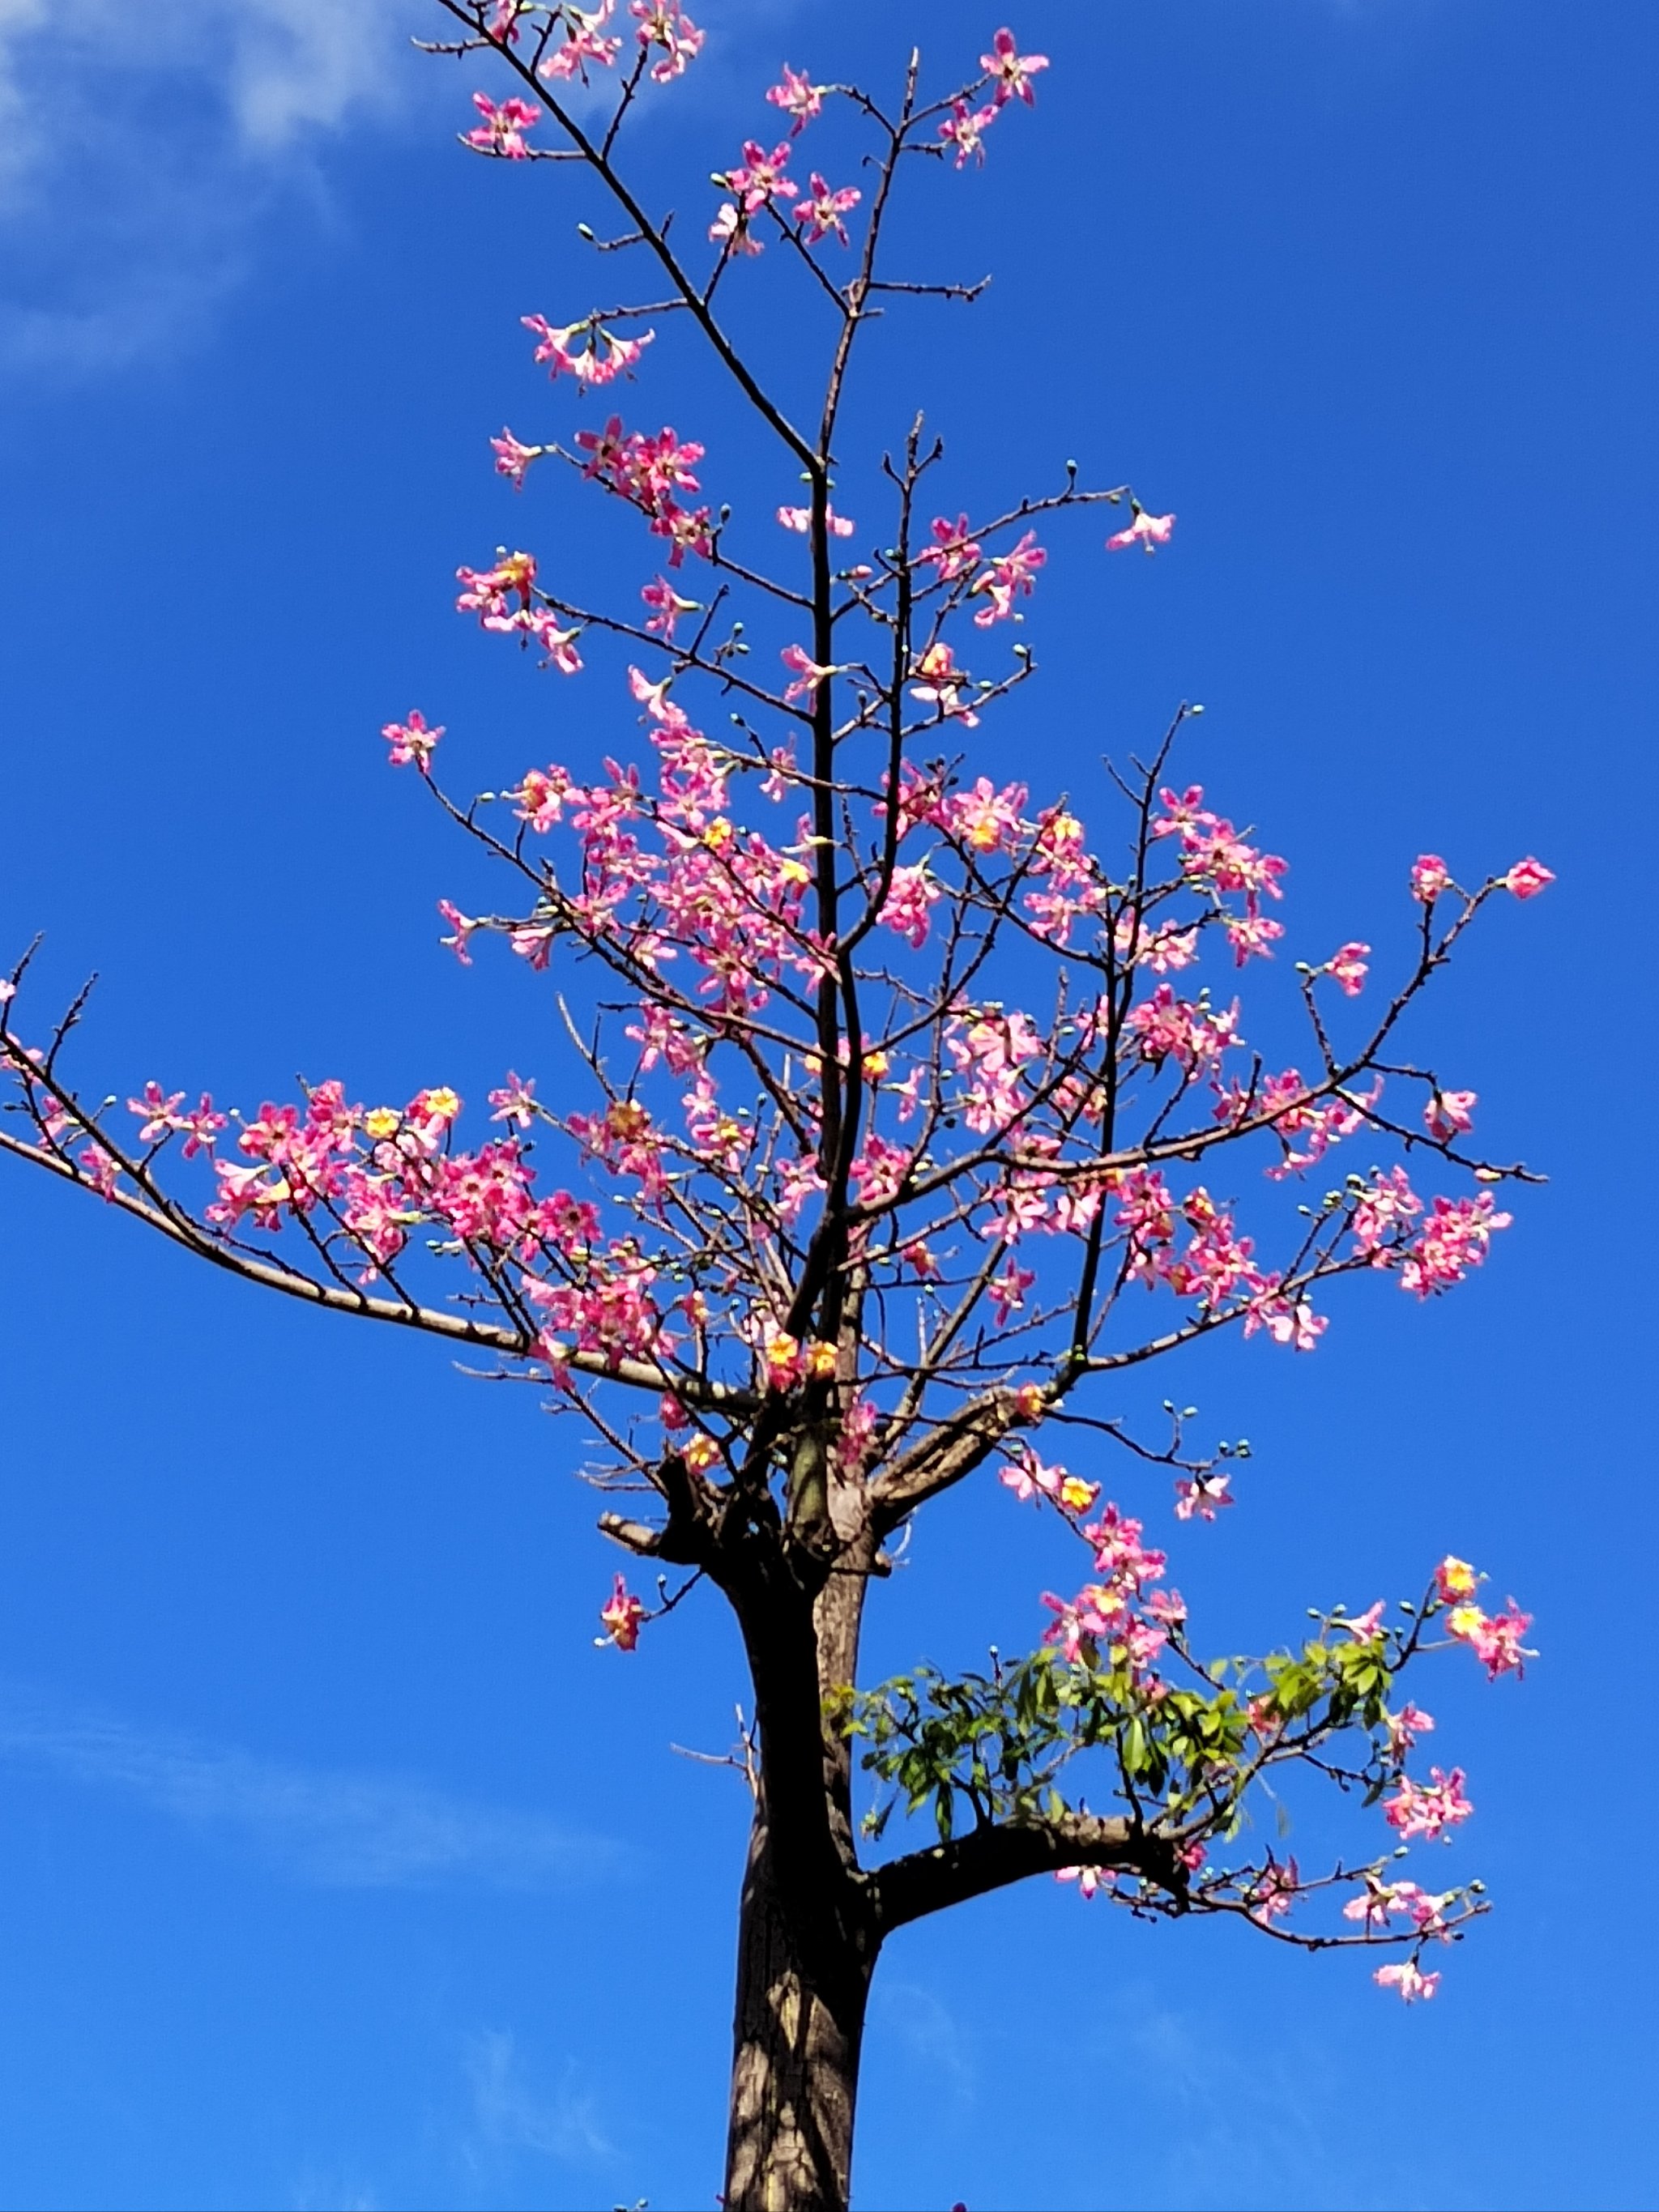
(337, 1868)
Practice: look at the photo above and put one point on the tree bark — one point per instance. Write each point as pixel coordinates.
(807, 1933)
(803, 1980)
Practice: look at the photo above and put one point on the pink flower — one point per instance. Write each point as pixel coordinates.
(100, 1171)
(1010, 576)
(502, 130)
(559, 645)
(1406, 1726)
(910, 896)
(559, 348)
(1428, 1808)
(1192, 1034)
(1455, 1238)
(666, 607)
(1528, 878)
(1380, 1212)
(1405, 1977)
(1088, 1879)
(1449, 1113)
(1251, 936)
(822, 210)
(809, 673)
(1007, 1290)
(954, 550)
(1495, 1638)
(515, 1102)
(581, 43)
(158, 1112)
(984, 819)
(1365, 1627)
(412, 741)
(759, 177)
(1202, 1497)
(800, 517)
(1346, 965)
(622, 1616)
(534, 943)
(797, 96)
(513, 458)
(661, 24)
(1430, 876)
(965, 128)
(1273, 1891)
(1121, 1556)
(1149, 531)
(730, 229)
(487, 590)
(543, 797)
(463, 926)
(1456, 1580)
(1012, 72)
(1382, 1900)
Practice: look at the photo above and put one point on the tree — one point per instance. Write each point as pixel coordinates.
(903, 1125)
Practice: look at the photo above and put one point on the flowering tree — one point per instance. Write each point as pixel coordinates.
(898, 1122)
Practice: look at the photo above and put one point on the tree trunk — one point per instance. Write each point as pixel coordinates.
(803, 1966)
(806, 1932)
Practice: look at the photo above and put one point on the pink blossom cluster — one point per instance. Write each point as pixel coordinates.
(1428, 1808)
(1008, 576)
(579, 44)
(373, 1177)
(1104, 1613)
(669, 32)
(1028, 1477)
(1215, 859)
(1009, 73)
(650, 473)
(504, 599)
(725, 899)
(1495, 1638)
(582, 44)
(1456, 1236)
(761, 180)
(590, 351)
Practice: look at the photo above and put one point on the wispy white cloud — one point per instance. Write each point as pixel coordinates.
(273, 67)
(512, 2112)
(931, 2036)
(348, 1830)
(1241, 2121)
(142, 147)
(320, 2193)
(146, 146)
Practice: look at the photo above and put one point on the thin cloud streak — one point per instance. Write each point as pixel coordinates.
(143, 148)
(278, 66)
(512, 2115)
(339, 1829)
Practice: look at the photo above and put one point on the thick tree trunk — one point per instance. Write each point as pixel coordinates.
(807, 1934)
(803, 1978)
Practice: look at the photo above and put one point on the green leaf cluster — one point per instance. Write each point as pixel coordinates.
(992, 1746)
